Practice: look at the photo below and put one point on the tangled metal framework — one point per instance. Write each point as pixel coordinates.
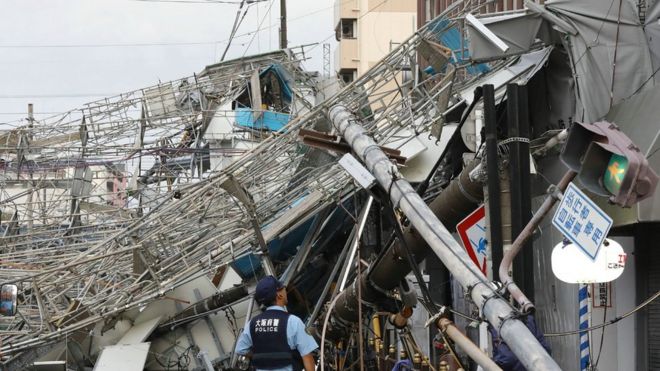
(128, 256)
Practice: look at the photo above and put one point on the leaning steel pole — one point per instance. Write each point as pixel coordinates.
(497, 311)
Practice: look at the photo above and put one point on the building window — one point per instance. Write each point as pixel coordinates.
(429, 10)
(347, 75)
(347, 29)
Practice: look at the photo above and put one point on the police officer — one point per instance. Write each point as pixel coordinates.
(275, 339)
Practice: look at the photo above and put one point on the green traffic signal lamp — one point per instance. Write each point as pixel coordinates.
(616, 171)
(608, 163)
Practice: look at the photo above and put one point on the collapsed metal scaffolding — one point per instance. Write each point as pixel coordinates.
(74, 273)
(73, 182)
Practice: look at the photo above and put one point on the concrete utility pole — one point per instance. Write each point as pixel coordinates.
(497, 311)
(283, 42)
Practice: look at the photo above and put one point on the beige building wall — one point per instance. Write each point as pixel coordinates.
(378, 27)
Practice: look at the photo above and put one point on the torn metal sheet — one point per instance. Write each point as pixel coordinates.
(139, 332)
(520, 71)
(652, 30)
(603, 31)
(518, 31)
(419, 168)
(123, 357)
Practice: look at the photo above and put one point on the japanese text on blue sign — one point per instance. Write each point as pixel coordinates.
(581, 221)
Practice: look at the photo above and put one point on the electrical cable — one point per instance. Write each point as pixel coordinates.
(190, 1)
(259, 29)
(325, 326)
(460, 314)
(224, 41)
(602, 338)
(610, 322)
(415, 268)
(234, 28)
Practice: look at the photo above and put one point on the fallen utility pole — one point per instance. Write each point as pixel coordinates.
(497, 311)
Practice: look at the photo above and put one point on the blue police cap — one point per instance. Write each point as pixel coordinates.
(267, 289)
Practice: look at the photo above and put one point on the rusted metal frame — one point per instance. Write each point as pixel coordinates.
(334, 143)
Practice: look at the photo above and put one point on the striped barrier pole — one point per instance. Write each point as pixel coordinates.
(583, 296)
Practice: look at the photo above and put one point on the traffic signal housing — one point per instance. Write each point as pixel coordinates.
(608, 163)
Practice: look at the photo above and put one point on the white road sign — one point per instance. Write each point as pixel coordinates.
(581, 221)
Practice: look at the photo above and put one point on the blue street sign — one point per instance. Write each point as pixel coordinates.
(581, 221)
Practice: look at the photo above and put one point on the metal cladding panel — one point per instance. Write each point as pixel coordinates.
(123, 357)
(140, 332)
(652, 31)
(556, 301)
(518, 31)
(615, 29)
(653, 310)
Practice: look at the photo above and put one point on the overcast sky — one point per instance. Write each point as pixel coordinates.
(59, 54)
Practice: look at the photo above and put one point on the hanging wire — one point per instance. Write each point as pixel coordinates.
(80, 238)
(610, 322)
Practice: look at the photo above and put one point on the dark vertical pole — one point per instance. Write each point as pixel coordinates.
(440, 292)
(521, 207)
(643, 261)
(283, 41)
(494, 215)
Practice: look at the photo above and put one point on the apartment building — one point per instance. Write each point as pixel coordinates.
(429, 9)
(369, 29)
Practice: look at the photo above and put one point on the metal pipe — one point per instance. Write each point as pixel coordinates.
(551, 143)
(248, 316)
(328, 284)
(457, 200)
(460, 198)
(400, 319)
(467, 345)
(494, 216)
(306, 246)
(519, 183)
(497, 311)
(378, 338)
(362, 221)
(207, 305)
(525, 304)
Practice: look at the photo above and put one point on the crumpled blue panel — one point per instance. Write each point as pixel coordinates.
(283, 78)
(449, 36)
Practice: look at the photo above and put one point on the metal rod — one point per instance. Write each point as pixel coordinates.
(494, 215)
(233, 30)
(248, 316)
(362, 220)
(467, 345)
(497, 311)
(525, 304)
(306, 246)
(328, 284)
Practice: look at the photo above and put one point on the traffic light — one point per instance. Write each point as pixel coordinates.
(608, 163)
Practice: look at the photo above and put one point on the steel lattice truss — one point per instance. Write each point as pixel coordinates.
(128, 256)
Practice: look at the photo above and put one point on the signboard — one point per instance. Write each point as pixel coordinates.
(570, 264)
(472, 231)
(355, 169)
(602, 295)
(581, 221)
